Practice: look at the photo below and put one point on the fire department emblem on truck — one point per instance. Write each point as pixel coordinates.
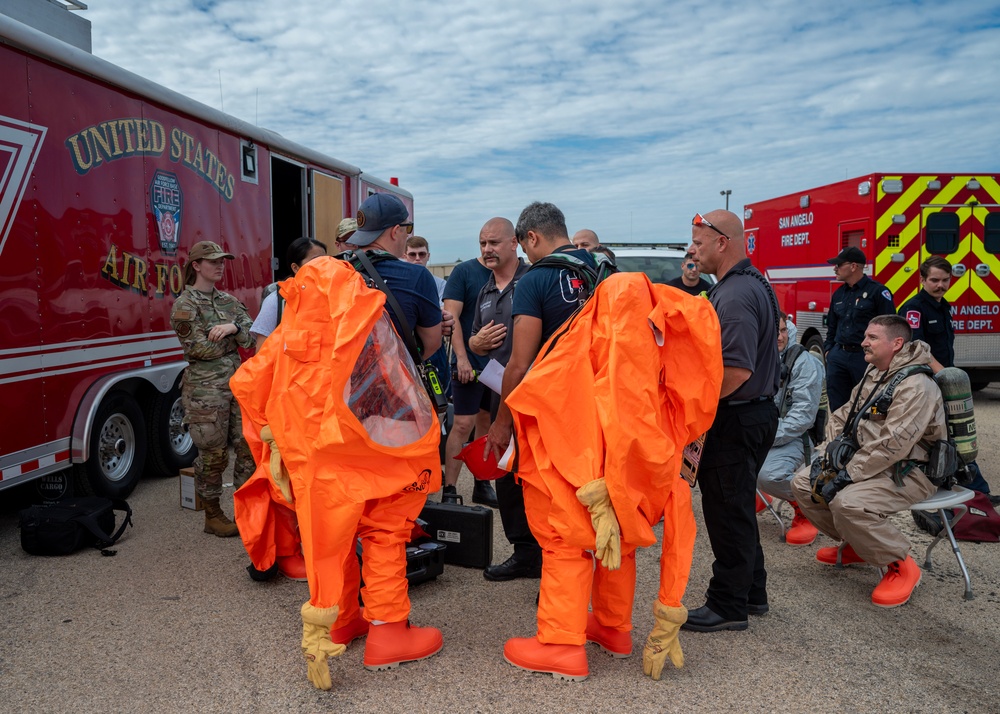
(166, 200)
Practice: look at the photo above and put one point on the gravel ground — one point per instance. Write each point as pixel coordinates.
(173, 624)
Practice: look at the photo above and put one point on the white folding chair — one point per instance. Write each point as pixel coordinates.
(955, 499)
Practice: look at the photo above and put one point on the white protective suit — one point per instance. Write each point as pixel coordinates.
(797, 401)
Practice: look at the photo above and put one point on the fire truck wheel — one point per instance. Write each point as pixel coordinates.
(117, 449)
(170, 445)
(815, 345)
(979, 386)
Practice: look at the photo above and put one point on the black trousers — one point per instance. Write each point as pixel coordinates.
(735, 449)
(843, 372)
(510, 496)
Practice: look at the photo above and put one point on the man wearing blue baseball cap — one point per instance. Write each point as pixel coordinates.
(383, 226)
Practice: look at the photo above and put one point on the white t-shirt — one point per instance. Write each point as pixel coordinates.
(267, 318)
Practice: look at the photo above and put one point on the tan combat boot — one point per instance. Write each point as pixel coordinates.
(216, 521)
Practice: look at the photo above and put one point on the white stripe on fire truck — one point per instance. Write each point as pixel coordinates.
(77, 344)
(800, 272)
(47, 360)
(35, 464)
(145, 358)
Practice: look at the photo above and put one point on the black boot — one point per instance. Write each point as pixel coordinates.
(482, 492)
(449, 494)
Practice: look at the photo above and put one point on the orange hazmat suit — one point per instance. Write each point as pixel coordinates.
(616, 393)
(356, 433)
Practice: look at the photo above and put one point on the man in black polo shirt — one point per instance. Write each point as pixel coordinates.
(852, 307)
(929, 316)
(744, 426)
(491, 339)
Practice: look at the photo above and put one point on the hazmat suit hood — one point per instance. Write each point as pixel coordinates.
(793, 333)
(625, 410)
(342, 396)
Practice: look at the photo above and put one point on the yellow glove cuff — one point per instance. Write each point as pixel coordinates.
(321, 616)
(593, 493)
(676, 615)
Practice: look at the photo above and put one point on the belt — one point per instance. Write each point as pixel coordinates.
(849, 348)
(742, 402)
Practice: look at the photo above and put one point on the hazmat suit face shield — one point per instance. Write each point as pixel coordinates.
(385, 392)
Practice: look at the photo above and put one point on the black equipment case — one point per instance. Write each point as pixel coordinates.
(466, 530)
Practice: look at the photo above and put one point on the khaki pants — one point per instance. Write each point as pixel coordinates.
(860, 513)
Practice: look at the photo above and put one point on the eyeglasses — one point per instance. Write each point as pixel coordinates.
(408, 227)
(699, 220)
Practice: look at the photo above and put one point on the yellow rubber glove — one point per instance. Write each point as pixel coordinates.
(662, 641)
(316, 643)
(608, 547)
(278, 471)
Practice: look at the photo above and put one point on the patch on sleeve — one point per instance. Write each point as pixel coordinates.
(183, 329)
(183, 315)
(887, 295)
(913, 319)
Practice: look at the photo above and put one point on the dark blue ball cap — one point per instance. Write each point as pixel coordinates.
(378, 212)
(849, 255)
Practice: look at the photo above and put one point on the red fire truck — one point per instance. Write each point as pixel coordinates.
(898, 220)
(106, 181)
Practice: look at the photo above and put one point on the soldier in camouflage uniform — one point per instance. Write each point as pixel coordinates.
(210, 325)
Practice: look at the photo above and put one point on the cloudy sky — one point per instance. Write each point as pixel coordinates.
(630, 115)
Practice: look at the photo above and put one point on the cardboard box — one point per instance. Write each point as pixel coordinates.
(189, 498)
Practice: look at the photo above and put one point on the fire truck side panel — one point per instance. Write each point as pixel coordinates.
(790, 239)
(19, 315)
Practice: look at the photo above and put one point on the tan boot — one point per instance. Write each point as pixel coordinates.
(216, 521)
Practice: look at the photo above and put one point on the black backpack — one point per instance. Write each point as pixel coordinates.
(589, 277)
(66, 526)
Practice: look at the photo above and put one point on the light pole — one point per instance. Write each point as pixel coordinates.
(726, 194)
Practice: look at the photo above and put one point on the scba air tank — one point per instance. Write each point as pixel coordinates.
(957, 393)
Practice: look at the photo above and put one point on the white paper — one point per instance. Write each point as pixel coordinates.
(492, 376)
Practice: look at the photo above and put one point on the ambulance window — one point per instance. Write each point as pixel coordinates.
(941, 233)
(991, 233)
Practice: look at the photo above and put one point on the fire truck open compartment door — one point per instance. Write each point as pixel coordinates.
(327, 208)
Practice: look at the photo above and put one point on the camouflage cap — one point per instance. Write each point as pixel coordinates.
(346, 227)
(207, 250)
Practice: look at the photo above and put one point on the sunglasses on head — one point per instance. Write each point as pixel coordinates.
(699, 220)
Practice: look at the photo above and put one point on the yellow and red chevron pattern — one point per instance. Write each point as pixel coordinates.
(901, 218)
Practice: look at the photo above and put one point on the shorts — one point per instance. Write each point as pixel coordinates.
(469, 399)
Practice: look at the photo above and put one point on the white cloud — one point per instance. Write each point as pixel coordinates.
(630, 116)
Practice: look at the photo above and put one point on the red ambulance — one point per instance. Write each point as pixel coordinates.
(106, 181)
(897, 220)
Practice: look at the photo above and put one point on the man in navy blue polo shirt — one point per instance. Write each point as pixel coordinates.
(383, 226)
(929, 316)
(545, 297)
(852, 307)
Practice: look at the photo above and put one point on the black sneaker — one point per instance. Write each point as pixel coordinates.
(514, 568)
(449, 494)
